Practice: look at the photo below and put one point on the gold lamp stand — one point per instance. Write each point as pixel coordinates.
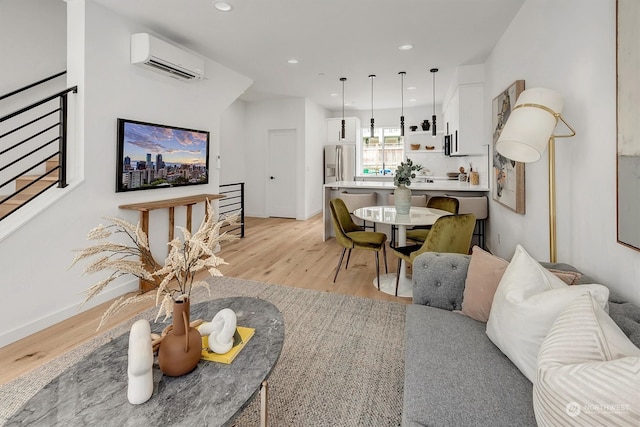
(553, 254)
(529, 129)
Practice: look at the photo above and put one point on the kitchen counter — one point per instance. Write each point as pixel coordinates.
(436, 185)
(389, 178)
(384, 188)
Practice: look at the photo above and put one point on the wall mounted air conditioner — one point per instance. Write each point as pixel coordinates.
(164, 57)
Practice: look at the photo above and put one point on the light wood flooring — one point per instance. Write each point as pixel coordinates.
(274, 250)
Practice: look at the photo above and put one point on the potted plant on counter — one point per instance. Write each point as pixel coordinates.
(402, 180)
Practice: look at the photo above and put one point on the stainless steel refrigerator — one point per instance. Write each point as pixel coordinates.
(339, 163)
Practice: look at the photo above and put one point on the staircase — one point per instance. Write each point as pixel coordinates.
(31, 186)
(32, 139)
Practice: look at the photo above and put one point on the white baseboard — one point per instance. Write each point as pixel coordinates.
(256, 214)
(312, 214)
(65, 313)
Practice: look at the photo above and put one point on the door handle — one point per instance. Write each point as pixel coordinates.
(272, 178)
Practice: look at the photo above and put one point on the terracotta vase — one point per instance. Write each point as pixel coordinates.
(180, 349)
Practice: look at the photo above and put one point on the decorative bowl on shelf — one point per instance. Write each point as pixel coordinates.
(453, 175)
(413, 128)
(415, 146)
(429, 147)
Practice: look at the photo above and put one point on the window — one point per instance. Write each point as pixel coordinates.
(381, 154)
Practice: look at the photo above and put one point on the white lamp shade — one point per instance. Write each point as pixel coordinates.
(528, 129)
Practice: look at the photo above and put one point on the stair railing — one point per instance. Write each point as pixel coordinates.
(29, 157)
(232, 202)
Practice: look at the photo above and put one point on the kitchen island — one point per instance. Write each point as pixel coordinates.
(383, 189)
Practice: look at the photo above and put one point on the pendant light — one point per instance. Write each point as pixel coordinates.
(372, 76)
(402, 73)
(433, 118)
(342, 128)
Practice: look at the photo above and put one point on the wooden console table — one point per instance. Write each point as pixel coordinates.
(145, 207)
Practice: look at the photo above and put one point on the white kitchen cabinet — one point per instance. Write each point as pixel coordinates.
(464, 113)
(352, 130)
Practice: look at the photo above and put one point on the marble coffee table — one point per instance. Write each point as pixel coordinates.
(94, 390)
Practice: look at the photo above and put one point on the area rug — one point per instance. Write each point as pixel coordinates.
(342, 361)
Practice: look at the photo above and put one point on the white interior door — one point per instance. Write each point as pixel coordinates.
(282, 172)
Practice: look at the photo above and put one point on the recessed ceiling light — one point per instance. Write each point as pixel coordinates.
(411, 88)
(334, 94)
(292, 61)
(223, 6)
(412, 100)
(405, 47)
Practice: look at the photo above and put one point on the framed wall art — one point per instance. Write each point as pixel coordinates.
(628, 95)
(508, 175)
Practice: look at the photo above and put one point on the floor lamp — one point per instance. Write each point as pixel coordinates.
(526, 134)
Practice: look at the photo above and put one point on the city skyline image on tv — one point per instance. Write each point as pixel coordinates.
(157, 156)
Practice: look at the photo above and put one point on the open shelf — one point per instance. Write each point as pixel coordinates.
(423, 151)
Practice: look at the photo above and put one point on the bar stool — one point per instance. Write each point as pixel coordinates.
(355, 201)
(479, 206)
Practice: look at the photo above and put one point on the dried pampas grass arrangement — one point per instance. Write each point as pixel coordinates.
(172, 281)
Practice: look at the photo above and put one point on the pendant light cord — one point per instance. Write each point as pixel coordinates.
(434, 93)
(402, 73)
(342, 123)
(433, 118)
(343, 79)
(372, 76)
(402, 93)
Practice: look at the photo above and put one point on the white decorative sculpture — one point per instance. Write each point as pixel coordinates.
(140, 363)
(221, 330)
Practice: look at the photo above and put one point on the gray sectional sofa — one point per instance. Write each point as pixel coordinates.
(454, 375)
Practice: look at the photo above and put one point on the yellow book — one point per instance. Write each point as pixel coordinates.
(240, 338)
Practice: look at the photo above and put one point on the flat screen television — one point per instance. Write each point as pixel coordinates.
(160, 156)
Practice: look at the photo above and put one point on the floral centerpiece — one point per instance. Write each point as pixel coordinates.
(173, 281)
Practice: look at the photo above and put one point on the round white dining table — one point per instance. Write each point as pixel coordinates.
(388, 215)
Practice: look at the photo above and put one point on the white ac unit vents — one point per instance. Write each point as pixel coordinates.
(164, 57)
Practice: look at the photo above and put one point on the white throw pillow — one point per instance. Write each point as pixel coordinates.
(528, 300)
(588, 371)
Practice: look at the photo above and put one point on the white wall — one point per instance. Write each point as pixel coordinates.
(315, 139)
(37, 27)
(232, 144)
(42, 290)
(573, 52)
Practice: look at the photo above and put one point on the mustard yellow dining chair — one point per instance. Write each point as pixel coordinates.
(350, 236)
(449, 204)
(450, 233)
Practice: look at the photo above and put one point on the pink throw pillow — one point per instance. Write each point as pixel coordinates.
(568, 277)
(483, 277)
